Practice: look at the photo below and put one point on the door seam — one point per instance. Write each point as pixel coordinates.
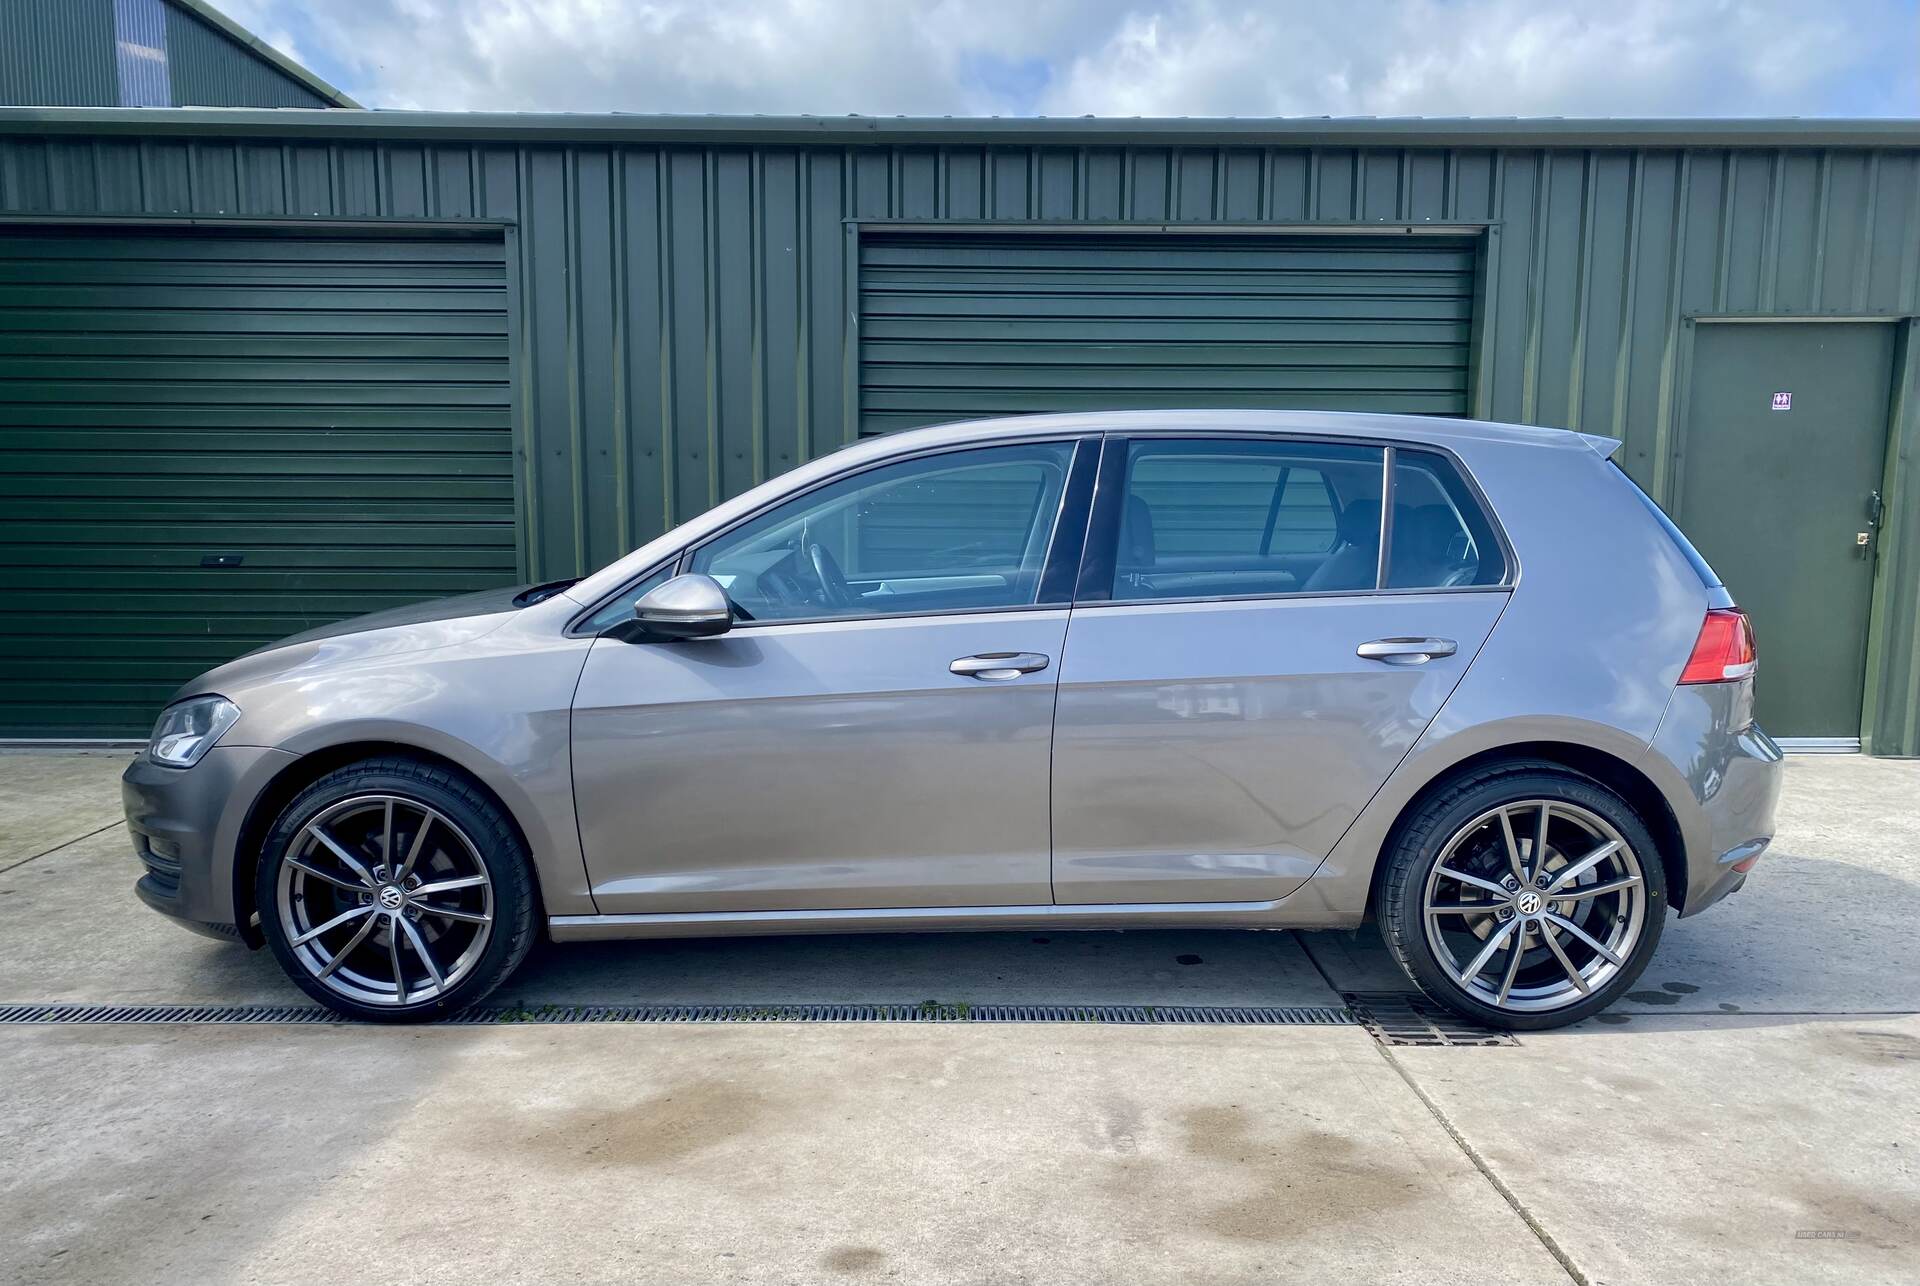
(1053, 742)
(573, 788)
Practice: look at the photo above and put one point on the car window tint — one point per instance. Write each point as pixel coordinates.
(958, 531)
(1229, 518)
(1441, 538)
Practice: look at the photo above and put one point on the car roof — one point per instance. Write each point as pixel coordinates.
(1439, 430)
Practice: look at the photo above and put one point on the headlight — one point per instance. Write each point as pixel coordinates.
(188, 730)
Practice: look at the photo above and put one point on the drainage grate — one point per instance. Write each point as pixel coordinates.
(1408, 1018)
(304, 1014)
(930, 1011)
(1392, 1018)
(925, 1012)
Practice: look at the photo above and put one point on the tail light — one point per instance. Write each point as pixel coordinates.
(1724, 651)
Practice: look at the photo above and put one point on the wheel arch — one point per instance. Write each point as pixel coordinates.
(1609, 770)
(300, 773)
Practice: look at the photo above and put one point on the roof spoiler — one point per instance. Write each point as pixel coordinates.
(1604, 447)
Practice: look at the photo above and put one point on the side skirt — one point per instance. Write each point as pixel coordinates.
(1147, 915)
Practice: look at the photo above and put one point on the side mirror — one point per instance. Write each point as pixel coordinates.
(692, 606)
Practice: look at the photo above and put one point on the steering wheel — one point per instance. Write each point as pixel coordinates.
(834, 589)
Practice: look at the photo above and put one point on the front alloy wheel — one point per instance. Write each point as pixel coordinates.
(385, 901)
(1524, 897)
(392, 890)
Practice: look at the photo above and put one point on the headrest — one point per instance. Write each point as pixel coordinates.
(1426, 527)
(1360, 522)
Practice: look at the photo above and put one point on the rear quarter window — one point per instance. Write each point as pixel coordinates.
(1441, 538)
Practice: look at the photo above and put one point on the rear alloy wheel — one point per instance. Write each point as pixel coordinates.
(392, 895)
(1525, 899)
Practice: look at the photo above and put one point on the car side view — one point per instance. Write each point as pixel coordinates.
(1266, 670)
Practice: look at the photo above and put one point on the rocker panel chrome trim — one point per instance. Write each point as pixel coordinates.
(687, 924)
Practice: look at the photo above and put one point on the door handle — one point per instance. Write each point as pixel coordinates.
(998, 665)
(1406, 651)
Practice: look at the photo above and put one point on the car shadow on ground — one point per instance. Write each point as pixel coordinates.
(1151, 967)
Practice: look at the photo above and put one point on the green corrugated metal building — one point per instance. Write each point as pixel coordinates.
(145, 53)
(260, 369)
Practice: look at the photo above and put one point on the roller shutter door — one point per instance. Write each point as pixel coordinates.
(327, 416)
(965, 325)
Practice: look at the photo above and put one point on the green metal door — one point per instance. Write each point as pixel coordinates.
(208, 442)
(957, 326)
(1779, 500)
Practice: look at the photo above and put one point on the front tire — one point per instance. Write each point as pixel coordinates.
(394, 890)
(1524, 896)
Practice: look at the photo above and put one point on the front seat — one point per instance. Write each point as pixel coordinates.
(1355, 560)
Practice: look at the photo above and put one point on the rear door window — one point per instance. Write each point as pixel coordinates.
(1231, 518)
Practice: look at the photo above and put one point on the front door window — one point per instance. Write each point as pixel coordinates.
(957, 531)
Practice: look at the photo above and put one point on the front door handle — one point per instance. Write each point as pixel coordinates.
(998, 665)
(1406, 651)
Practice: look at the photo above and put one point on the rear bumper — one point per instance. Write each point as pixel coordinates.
(185, 825)
(1724, 777)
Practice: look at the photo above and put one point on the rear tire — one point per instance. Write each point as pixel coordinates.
(1530, 856)
(394, 890)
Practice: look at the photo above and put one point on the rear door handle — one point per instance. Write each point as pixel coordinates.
(998, 665)
(1406, 651)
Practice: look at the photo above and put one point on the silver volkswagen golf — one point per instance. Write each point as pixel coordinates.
(1225, 669)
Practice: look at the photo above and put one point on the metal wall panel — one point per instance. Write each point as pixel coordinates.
(332, 410)
(58, 51)
(690, 311)
(209, 70)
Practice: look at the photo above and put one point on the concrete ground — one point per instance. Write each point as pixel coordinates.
(1750, 1114)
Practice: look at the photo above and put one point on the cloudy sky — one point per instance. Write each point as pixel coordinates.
(1113, 57)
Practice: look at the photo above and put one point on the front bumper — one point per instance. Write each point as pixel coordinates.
(1732, 772)
(185, 824)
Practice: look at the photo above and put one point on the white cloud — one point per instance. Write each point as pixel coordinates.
(1113, 57)
(1493, 57)
(776, 56)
